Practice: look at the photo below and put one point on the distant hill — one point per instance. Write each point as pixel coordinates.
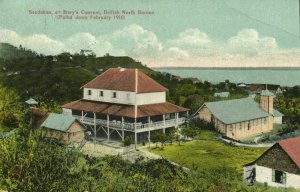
(55, 78)
(8, 51)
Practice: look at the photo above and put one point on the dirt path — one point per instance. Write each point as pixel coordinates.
(246, 145)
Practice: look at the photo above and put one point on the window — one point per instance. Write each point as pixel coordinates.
(241, 126)
(278, 176)
(114, 95)
(89, 92)
(101, 93)
(249, 125)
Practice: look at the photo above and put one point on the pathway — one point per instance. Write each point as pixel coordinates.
(114, 148)
(245, 145)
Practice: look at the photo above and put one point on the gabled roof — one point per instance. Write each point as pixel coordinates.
(237, 110)
(59, 122)
(277, 113)
(292, 148)
(124, 110)
(121, 79)
(31, 101)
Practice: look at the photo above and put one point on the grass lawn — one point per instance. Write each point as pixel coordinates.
(208, 153)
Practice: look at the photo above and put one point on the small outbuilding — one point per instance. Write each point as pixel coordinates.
(279, 166)
(63, 127)
(31, 102)
(277, 117)
(222, 94)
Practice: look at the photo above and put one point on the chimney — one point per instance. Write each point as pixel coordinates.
(266, 101)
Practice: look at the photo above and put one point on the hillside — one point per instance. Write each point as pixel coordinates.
(55, 78)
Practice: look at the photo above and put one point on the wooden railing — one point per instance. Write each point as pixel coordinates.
(131, 126)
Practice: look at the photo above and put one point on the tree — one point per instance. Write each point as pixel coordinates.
(159, 137)
(177, 135)
(162, 139)
(127, 142)
(193, 102)
(189, 132)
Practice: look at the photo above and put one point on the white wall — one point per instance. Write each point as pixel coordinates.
(278, 120)
(264, 174)
(150, 98)
(124, 97)
(66, 111)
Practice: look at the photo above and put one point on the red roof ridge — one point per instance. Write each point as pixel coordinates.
(125, 79)
(292, 148)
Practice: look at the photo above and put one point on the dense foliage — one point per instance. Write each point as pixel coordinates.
(9, 108)
(28, 163)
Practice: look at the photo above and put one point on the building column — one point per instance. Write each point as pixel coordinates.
(149, 138)
(164, 121)
(107, 124)
(176, 115)
(122, 128)
(149, 121)
(135, 134)
(95, 128)
(81, 116)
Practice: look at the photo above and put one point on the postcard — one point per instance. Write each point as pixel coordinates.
(136, 95)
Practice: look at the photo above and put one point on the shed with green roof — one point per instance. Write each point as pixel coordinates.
(63, 127)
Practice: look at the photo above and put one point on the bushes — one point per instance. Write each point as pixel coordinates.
(30, 164)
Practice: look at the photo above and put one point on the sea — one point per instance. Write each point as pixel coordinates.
(281, 76)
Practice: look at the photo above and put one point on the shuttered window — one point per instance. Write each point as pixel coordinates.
(101, 93)
(278, 176)
(273, 175)
(89, 92)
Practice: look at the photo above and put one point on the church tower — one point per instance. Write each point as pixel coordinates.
(266, 101)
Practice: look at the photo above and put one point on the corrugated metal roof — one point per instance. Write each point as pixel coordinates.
(237, 110)
(277, 113)
(31, 101)
(58, 122)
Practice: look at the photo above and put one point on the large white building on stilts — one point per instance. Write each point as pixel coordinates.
(125, 102)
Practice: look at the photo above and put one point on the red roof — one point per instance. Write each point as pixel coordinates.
(122, 79)
(292, 148)
(124, 110)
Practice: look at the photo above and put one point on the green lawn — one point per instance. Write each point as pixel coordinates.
(208, 153)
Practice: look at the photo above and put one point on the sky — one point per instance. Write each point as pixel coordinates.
(191, 33)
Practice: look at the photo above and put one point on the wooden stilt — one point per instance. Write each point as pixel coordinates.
(149, 138)
(108, 133)
(95, 129)
(135, 134)
(122, 128)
